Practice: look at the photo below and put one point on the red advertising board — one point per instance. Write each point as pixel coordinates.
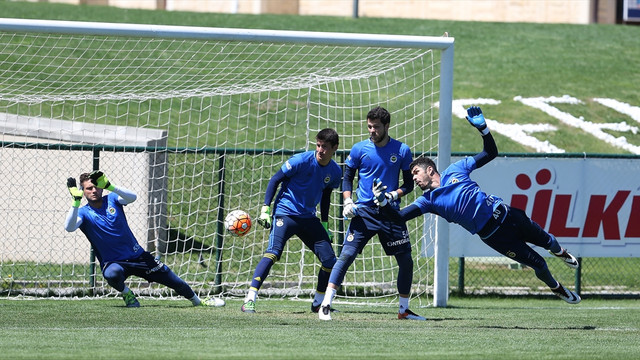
(591, 205)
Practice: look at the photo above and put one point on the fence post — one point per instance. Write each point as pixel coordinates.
(578, 284)
(219, 240)
(92, 255)
(460, 276)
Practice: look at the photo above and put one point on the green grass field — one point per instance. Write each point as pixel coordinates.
(470, 328)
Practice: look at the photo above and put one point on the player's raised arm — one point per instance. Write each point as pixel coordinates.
(72, 222)
(99, 179)
(490, 150)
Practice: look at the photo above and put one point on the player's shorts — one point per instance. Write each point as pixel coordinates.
(141, 266)
(393, 236)
(511, 238)
(308, 229)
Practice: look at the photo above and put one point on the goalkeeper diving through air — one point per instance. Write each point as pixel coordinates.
(104, 223)
(458, 199)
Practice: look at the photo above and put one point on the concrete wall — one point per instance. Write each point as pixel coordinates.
(537, 11)
(35, 200)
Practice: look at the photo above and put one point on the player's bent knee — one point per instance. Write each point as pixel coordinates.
(113, 271)
(348, 253)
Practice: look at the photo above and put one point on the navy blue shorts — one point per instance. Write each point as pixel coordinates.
(145, 266)
(309, 230)
(511, 238)
(394, 237)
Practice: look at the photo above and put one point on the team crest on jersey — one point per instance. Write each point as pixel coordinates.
(327, 179)
(454, 180)
(279, 222)
(393, 158)
(111, 210)
(511, 254)
(350, 237)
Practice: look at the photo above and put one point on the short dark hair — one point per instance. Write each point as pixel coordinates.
(83, 177)
(379, 113)
(423, 162)
(329, 135)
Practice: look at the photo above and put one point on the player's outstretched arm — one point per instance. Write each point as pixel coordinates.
(407, 213)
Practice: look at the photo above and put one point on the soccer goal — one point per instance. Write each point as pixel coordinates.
(196, 121)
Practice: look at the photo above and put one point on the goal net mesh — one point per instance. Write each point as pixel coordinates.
(197, 128)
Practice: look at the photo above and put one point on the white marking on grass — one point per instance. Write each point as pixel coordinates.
(520, 133)
(595, 129)
(623, 108)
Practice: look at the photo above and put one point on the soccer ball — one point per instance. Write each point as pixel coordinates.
(238, 223)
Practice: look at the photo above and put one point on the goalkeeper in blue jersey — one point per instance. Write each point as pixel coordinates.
(104, 223)
(305, 180)
(458, 199)
(382, 157)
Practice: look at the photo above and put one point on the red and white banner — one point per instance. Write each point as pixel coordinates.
(591, 205)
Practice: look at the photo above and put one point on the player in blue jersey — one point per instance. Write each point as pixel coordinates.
(382, 157)
(458, 199)
(104, 223)
(305, 180)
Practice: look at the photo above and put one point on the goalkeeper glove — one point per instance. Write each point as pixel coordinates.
(325, 225)
(476, 119)
(99, 179)
(392, 196)
(76, 193)
(265, 217)
(350, 209)
(379, 196)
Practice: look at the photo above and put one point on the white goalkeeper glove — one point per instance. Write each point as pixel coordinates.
(379, 196)
(350, 209)
(392, 196)
(265, 217)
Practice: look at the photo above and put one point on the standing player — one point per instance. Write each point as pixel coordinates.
(382, 157)
(307, 179)
(458, 199)
(104, 223)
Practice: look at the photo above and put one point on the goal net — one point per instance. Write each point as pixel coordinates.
(196, 121)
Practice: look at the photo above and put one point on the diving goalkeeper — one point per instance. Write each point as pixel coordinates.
(458, 199)
(104, 223)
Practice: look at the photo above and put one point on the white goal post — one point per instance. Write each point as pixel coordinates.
(234, 104)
